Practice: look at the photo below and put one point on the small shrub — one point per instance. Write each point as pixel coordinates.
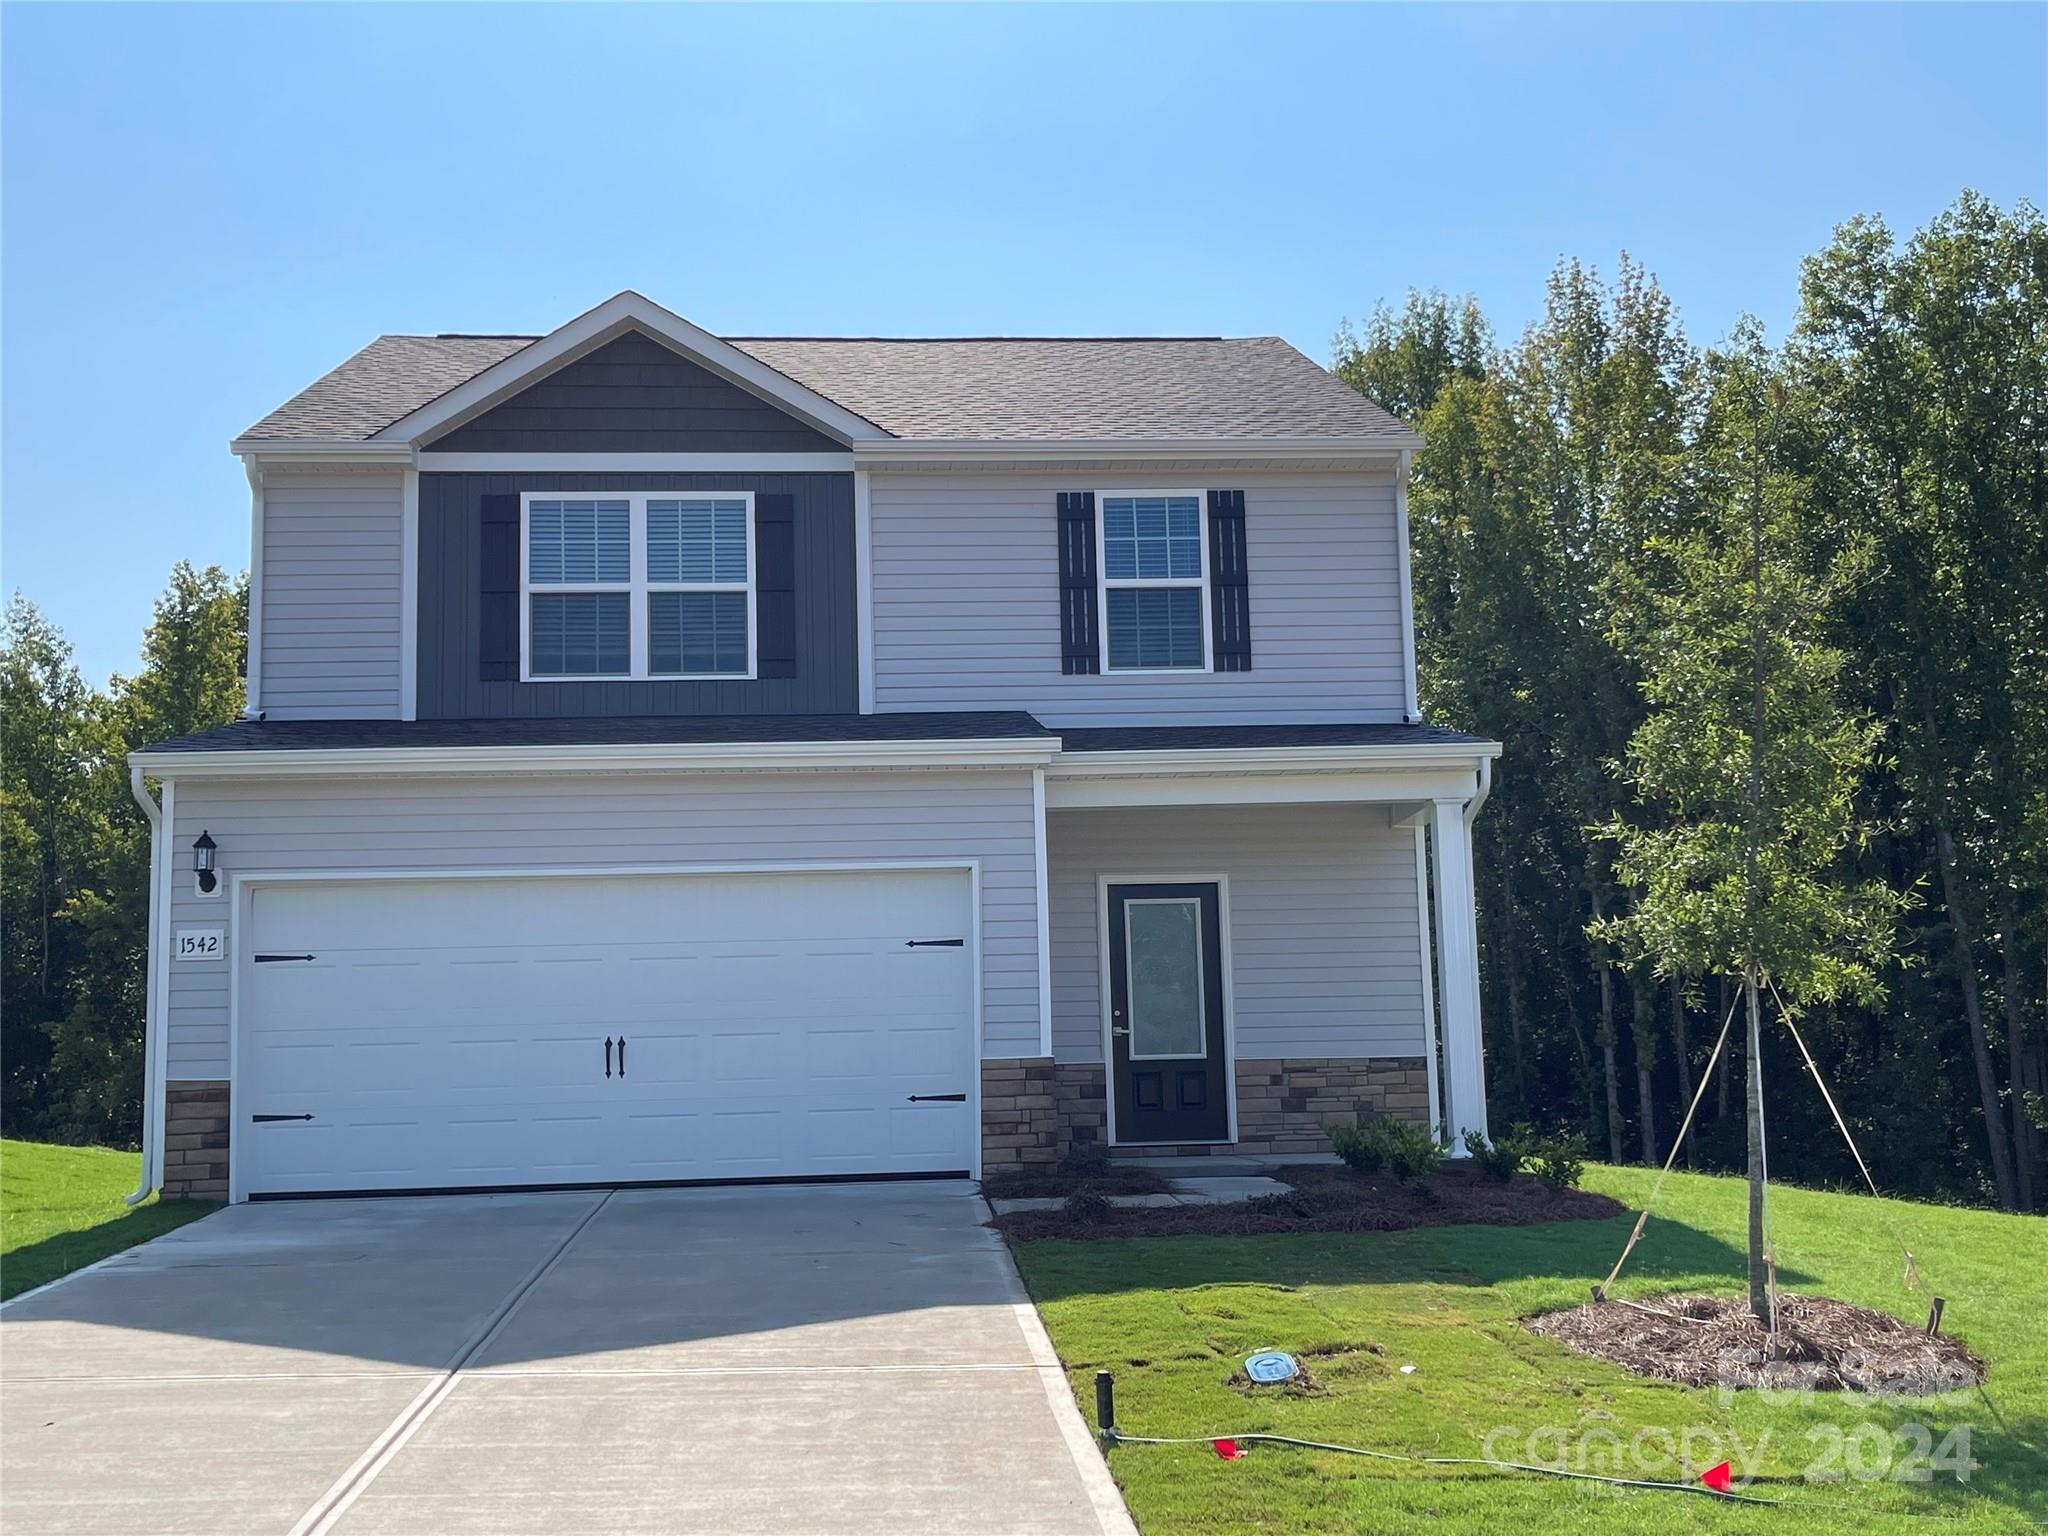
(1387, 1144)
(1501, 1159)
(1559, 1160)
(1088, 1207)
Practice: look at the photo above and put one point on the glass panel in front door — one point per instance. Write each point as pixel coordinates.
(1163, 964)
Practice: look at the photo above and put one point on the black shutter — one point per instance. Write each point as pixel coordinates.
(1080, 624)
(498, 591)
(775, 585)
(1230, 613)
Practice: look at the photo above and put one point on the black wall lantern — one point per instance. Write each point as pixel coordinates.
(202, 863)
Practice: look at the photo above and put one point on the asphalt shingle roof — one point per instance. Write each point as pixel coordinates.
(996, 389)
(672, 730)
(607, 730)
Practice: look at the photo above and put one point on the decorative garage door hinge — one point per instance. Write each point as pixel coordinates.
(933, 943)
(273, 959)
(938, 1098)
(266, 1119)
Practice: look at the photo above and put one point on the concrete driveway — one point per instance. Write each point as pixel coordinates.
(829, 1358)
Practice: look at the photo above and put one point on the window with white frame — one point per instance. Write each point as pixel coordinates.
(1155, 564)
(657, 584)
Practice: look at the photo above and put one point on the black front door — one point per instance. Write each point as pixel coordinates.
(1166, 1013)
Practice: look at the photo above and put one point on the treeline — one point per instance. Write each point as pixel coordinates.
(1908, 463)
(74, 850)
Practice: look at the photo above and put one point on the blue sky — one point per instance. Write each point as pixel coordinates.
(206, 207)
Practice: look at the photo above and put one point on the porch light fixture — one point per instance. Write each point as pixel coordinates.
(202, 863)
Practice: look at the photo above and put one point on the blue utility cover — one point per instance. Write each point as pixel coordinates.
(1271, 1366)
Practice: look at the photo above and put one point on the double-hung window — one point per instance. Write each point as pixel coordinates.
(644, 585)
(1155, 569)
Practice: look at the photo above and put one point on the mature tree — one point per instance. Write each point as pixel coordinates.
(1748, 753)
(1929, 367)
(75, 883)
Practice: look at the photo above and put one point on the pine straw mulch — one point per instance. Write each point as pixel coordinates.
(1325, 1197)
(1823, 1345)
(1068, 1180)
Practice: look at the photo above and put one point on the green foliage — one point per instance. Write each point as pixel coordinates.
(1577, 523)
(1558, 1159)
(1747, 759)
(1501, 1159)
(74, 881)
(63, 1207)
(1387, 1144)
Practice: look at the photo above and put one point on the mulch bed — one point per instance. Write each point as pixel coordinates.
(1822, 1345)
(1064, 1182)
(1326, 1197)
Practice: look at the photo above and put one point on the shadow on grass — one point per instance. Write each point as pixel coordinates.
(1545, 1266)
(38, 1263)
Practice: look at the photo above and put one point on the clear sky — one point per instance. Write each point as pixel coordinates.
(206, 207)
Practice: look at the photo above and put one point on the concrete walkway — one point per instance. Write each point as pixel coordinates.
(834, 1358)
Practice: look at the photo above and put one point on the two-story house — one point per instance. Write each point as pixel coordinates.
(673, 757)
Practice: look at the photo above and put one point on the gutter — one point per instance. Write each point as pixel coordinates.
(1298, 759)
(153, 1021)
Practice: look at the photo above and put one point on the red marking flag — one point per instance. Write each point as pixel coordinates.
(1716, 1478)
(1229, 1450)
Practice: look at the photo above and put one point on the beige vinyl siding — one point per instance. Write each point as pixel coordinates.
(332, 591)
(966, 603)
(1325, 943)
(595, 822)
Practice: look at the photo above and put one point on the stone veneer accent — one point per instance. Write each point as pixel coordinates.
(1019, 1128)
(196, 1141)
(1282, 1103)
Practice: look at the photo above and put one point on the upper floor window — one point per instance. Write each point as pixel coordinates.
(1154, 580)
(653, 585)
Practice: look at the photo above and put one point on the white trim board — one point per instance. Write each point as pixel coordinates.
(430, 462)
(691, 757)
(241, 885)
(623, 312)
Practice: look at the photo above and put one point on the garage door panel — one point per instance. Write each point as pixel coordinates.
(452, 1032)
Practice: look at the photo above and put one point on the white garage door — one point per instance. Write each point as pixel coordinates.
(434, 1034)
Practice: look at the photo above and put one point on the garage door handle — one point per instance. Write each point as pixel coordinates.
(607, 1055)
(622, 1057)
(938, 1098)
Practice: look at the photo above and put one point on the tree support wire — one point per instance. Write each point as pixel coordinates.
(1912, 1268)
(1600, 1290)
(1913, 1278)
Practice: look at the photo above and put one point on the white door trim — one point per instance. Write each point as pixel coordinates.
(242, 885)
(1222, 884)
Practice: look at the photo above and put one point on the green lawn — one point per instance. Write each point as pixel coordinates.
(1173, 1317)
(60, 1209)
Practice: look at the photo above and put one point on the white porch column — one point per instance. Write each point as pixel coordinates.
(1458, 971)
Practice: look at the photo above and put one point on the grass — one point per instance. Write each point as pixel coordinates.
(60, 1209)
(1173, 1318)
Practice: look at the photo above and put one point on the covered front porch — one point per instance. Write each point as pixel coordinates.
(1250, 941)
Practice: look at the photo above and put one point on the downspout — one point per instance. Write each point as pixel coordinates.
(152, 1013)
(1485, 788)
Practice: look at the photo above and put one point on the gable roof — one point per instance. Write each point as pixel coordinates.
(996, 389)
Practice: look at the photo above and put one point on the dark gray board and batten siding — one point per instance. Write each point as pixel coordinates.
(827, 661)
(634, 395)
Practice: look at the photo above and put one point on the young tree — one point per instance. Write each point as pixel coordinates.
(1748, 756)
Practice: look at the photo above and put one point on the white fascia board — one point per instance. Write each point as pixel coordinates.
(1309, 759)
(321, 450)
(616, 315)
(756, 757)
(1391, 787)
(896, 450)
(628, 463)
